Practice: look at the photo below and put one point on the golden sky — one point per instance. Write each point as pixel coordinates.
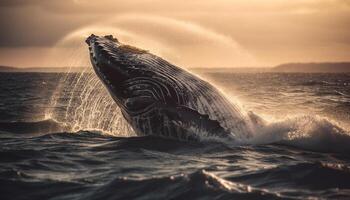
(196, 33)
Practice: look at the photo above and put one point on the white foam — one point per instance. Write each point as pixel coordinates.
(307, 132)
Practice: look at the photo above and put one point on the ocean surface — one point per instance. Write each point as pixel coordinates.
(62, 137)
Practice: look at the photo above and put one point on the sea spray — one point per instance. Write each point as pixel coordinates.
(80, 101)
(307, 132)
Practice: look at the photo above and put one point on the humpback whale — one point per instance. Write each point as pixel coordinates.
(158, 98)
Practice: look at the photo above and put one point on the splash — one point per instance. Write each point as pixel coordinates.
(80, 101)
(307, 132)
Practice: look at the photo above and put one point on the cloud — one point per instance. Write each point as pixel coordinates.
(159, 6)
(270, 31)
(9, 3)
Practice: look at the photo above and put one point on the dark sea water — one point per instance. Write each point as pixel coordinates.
(62, 137)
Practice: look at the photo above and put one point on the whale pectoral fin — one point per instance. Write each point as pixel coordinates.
(192, 120)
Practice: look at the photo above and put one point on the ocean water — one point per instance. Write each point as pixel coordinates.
(62, 137)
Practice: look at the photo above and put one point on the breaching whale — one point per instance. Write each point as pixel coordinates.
(160, 99)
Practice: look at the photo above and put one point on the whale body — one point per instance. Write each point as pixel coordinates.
(160, 99)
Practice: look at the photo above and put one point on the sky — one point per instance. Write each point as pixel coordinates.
(197, 33)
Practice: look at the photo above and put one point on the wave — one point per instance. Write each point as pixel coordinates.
(88, 165)
(32, 127)
(300, 179)
(34, 189)
(195, 185)
(341, 93)
(312, 175)
(323, 83)
(307, 132)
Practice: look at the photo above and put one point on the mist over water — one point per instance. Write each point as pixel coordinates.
(80, 101)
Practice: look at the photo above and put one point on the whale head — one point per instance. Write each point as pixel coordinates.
(117, 67)
(104, 58)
